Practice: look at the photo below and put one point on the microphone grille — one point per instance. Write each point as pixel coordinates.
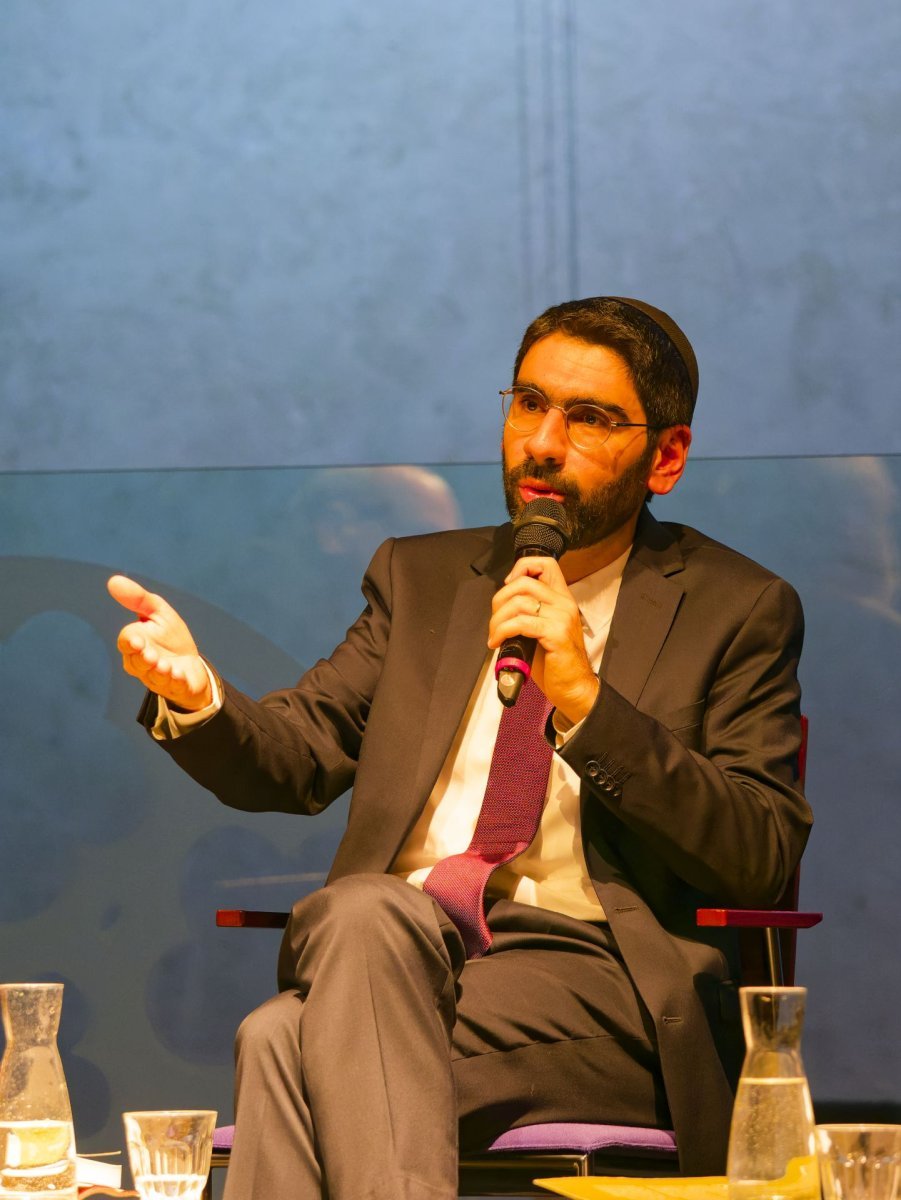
(543, 526)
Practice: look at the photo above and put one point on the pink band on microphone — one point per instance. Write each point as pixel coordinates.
(512, 664)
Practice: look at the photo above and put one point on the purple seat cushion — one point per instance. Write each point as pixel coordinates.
(582, 1138)
(585, 1138)
(223, 1138)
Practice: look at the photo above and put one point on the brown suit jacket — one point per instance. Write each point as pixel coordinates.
(688, 762)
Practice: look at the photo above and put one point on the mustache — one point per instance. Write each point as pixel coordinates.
(550, 476)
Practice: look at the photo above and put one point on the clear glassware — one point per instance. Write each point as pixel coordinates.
(169, 1152)
(37, 1141)
(772, 1146)
(860, 1162)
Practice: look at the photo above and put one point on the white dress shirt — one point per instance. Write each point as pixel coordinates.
(552, 872)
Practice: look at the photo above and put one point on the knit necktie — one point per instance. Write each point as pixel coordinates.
(508, 821)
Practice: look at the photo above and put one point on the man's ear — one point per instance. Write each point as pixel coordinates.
(670, 456)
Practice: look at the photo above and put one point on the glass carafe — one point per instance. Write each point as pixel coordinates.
(37, 1144)
(772, 1148)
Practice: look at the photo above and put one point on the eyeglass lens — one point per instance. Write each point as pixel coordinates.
(587, 425)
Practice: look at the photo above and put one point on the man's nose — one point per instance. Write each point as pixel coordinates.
(549, 442)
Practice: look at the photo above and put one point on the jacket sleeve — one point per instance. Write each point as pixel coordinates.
(723, 810)
(295, 750)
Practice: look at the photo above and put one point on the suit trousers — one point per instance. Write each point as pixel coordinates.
(385, 1047)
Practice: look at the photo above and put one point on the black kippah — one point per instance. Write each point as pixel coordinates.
(665, 322)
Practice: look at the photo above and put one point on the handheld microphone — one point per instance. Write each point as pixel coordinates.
(541, 530)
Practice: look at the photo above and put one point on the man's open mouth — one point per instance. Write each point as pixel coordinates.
(532, 489)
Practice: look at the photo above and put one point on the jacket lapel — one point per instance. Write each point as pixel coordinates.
(648, 600)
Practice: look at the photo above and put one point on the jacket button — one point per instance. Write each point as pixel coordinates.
(592, 769)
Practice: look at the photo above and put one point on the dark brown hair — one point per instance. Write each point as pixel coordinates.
(658, 354)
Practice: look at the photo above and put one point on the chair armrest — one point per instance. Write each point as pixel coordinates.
(758, 918)
(245, 918)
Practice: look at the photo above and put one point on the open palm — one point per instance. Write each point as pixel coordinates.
(158, 648)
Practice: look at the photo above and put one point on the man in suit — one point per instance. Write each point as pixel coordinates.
(665, 684)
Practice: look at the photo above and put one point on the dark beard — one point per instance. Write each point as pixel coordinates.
(592, 517)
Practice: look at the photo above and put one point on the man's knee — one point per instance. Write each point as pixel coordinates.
(271, 1031)
(360, 919)
(363, 908)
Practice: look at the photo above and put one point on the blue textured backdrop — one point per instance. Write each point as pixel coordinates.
(309, 234)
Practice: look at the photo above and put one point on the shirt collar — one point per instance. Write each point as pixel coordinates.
(596, 594)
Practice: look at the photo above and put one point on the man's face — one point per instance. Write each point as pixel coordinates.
(603, 492)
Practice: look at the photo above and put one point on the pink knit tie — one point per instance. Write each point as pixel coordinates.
(509, 819)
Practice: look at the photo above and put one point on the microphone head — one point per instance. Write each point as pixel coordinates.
(541, 528)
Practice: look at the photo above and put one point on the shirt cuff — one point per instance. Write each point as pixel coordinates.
(170, 724)
(564, 728)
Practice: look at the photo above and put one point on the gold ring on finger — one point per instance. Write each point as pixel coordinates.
(538, 609)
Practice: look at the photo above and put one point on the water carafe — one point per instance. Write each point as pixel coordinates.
(37, 1143)
(772, 1148)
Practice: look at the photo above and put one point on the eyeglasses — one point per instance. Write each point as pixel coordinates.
(588, 426)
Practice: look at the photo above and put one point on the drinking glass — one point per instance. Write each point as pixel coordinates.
(860, 1162)
(169, 1152)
